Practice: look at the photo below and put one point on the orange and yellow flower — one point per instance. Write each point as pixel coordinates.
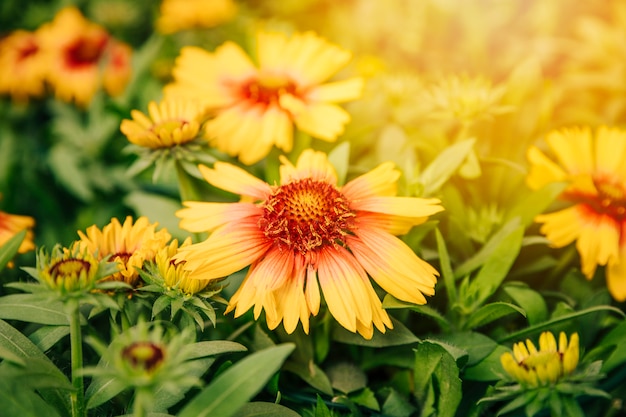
(169, 123)
(308, 233)
(177, 15)
(82, 58)
(594, 166)
(11, 224)
(174, 274)
(256, 106)
(130, 244)
(22, 70)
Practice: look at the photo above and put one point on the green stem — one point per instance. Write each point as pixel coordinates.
(186, 187)
(142, 398)
(76, 345)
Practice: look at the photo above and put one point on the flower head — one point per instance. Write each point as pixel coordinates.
(306, 233)
(169, 123)
(174, 274)
(594, 167)
(177, 15)
(82, 57)
(11, 224)
(129, 244)
(257, 105)
(548, 365)
(22, 70)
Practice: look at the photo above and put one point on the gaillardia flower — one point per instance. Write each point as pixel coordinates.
(546, 366)
(595, 169)
(22, 71)
(177, 15)
(82, 58)
(129, 244)
(11, 224)
(308, 233)
(174, 275)
(257, 105)
(170, 123)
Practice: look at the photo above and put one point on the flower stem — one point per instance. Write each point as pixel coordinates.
(76, 345)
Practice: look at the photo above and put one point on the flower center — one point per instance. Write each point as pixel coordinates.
(305, 214)
(85, 51)
(68, 268)
(143, 355)
(610, 199)
(29, 49)
(267, 89)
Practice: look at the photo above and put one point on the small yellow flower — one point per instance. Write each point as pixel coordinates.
(69, 270)
(22, 70)
(256, 105)
(177, 15)
(130, 244)
(546, 366)
(169, 123)
(465, 99)
(593, 167)
(174, 274)
(11, 224)
(308, 233)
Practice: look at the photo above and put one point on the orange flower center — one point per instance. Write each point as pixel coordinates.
(85, 51)
(610, 199)
(145, 356)
(27, 50)
(305, 214)
(267, 89)
(68, 268)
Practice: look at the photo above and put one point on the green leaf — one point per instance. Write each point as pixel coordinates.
(102, 389)
(446, 164)
(550, 324)
(616, 341)
(321, 410)
(437, 375)
(399, 335)
(346, 377)
(495, 269)
(10, 247)
(530, 300)
(487, 369)
(395, 405)
(490, 313)
(46, 337)
(390, 302)
(213, 347)
(311, 374)
(235, 386)
(366, 398)
(487, 250)
(263, 409)
(19, 402)
(157, 207)
(33, 309)
(476, 345)
(446, 269)
(64, 161)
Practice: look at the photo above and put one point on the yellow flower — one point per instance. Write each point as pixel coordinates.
(595, 169)
(11, 224)
(546, 366)
(128, 244)
(308, 233)
(177, 15)
(174, 274)
(22, 69)
(82, 58)
(169, 123)
(69, 270)
(257, 106)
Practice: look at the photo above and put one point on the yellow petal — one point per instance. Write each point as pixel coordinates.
(206, 216)
(573, 149)
(381, 181)
(231, 178)
(322, 121)
(408, 207)
(311, 164)
(338, 91)
(542, 170)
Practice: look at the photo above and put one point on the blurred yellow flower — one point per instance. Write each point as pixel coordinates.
(173, 273)
(256, 106)
(69, 270)
(130, 244)
(82, 57)
(308, 232)
(177, 15)
(550, 364)
(595, 169)
(22, 69)
(11, 224)
(168, 123)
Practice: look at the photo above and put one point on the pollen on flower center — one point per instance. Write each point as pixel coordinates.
(611, 198)
(306, 214)
(69, 267)
(267, 89)
(28, 50)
